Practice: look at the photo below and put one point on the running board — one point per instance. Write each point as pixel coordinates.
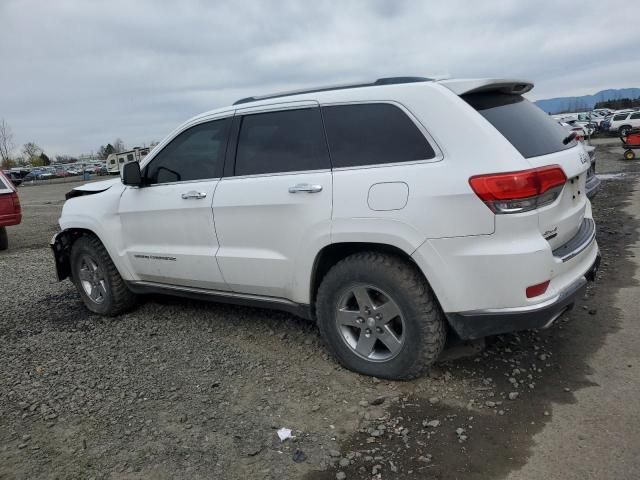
(274, 303)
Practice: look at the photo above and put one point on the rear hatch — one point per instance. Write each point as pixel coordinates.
(542, 142)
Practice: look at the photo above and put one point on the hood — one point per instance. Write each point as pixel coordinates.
(98, 186)
(91, 188)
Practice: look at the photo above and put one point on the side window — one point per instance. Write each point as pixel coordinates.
(635, 116)
(195, 154)
(370, 134)
(619, 117)
(285, 141)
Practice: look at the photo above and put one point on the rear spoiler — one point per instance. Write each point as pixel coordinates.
(476, 85)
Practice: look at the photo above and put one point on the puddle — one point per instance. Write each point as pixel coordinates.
(611, 176)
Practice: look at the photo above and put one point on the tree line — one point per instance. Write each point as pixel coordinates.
(31, 154)
(619, 103)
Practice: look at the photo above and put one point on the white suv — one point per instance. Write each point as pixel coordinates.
(624, 122)
(384, 211)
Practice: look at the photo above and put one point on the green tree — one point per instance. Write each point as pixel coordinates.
(105, 150)
(7, 163)
(31, 151)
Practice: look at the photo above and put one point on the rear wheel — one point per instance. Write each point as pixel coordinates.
(101, 287)
(629, 154)
(379, 317)
(4, 239)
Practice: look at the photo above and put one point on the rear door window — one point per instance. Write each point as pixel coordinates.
(529, 129)
(372, 134)
(284, 141)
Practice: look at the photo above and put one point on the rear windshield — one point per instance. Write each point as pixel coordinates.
(528, 128)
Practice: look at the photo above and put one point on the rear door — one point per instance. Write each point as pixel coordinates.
(542, 141)
(274, 202)
(634, 120)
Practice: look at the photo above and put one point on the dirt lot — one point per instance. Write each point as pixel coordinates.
(183, 389)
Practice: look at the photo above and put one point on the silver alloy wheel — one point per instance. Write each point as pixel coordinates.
(370, 323)
(92, 279)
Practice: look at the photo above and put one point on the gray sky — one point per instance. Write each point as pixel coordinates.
(77, 74)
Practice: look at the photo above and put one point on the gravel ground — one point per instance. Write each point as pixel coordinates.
(184, 389)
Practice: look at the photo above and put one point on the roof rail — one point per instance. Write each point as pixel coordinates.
(378, 82)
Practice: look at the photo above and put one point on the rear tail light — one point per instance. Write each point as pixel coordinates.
(516, 192)
(537, 290)
(16, 203)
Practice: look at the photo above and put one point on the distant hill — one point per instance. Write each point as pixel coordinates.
(585, 102)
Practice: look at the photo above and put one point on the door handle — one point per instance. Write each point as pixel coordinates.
(194, 194)
(305, 188)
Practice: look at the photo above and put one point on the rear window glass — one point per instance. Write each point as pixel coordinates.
(370, 134)
(530, 130)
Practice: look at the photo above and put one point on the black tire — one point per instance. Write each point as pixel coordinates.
(424, 331)
(623, 130)
(116, 298)
(629, 154)
(4, 239)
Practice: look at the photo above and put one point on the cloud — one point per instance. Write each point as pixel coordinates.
(79, 74)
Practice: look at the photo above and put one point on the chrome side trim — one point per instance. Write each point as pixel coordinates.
(213, 293)
(301, 310)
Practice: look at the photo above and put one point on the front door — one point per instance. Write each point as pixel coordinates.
(167, 225)
(275, 204)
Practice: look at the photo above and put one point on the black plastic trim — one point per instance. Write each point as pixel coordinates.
(581, 240)
(298, 309)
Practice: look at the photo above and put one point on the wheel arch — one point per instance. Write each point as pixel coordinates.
(331, 254)
(61, 245)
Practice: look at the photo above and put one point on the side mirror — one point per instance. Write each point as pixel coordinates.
(131, 174)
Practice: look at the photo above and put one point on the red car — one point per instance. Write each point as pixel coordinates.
(10, 211)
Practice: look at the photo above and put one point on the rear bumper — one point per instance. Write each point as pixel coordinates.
(482, 323)
(592, 186)
(10, 220)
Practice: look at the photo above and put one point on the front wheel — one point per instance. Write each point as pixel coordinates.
(624, 130)
(96, 278)
(629, 154)
(379, 317)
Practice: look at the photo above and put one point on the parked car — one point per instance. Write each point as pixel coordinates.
(14, 176)
(621, 123)
(389, 212)
(10, 210)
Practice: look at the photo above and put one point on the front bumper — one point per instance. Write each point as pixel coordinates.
(482, 323)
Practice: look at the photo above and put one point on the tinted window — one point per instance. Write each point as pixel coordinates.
(619, 117)
(634, 116)
(530, 130)
(371, 134)
(286, 141)
(195, 154)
